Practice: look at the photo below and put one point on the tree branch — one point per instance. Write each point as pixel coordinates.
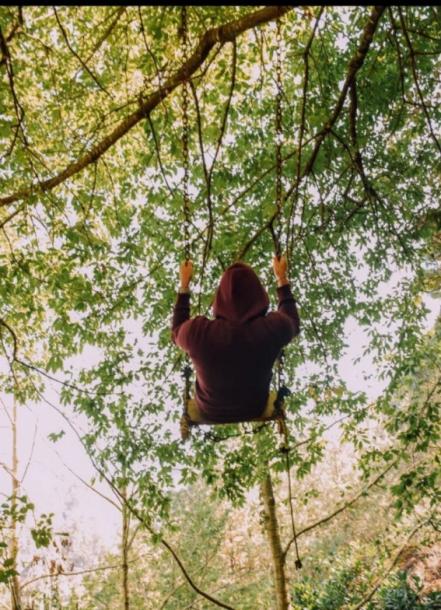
(14, 338)
(140, 517)
(415, 78)
(221, 34)
(302, 120)
(77, 56)
(18, 25)
(353, 67)
(108, 31)
(391, 566)
(342, 508)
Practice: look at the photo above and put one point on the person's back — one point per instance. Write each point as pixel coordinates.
(233, 354)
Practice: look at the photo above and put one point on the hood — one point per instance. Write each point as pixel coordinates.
(240, 295)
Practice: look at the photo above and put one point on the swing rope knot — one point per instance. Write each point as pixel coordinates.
(186, 372)
(284, 391)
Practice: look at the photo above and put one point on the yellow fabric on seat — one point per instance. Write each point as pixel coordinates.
(196, 416)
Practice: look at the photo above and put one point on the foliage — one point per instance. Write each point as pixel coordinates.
(202, 533)
(91, 229)
(400, 595)
(15, 509)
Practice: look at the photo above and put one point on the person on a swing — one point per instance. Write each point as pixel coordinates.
(233, 354)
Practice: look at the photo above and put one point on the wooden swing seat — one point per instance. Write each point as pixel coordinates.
(193, 417)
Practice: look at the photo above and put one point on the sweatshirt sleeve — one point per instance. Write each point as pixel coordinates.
(181, 314)
(286, 321)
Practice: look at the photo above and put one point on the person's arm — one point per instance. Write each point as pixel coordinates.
(181, 310)
(287, 305)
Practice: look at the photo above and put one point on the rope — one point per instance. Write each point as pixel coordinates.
(285, 449)
(283, 391)
(185, 135)
(185, 419)
(186, 370)
(279, 138)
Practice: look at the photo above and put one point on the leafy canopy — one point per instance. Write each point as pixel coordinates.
(89, 262)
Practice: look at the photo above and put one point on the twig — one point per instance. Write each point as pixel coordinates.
(14, 339)
(121, 10)
(77, 56)
(342, 508)
(393, 563)
(415, 78)
(31, 453)
(61, 381)
(302, 126)
(142, 520)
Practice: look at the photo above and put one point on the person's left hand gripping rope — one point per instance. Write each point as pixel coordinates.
(185, 275)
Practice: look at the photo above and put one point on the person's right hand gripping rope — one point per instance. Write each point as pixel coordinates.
(280, 266)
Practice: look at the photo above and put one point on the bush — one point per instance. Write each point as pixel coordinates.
(335, 594)
(402, 596)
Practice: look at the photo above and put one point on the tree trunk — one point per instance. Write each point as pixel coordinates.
(15, 584)
(272, 531)
(124, 553)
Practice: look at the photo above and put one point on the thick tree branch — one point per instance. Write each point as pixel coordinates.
(224, 33)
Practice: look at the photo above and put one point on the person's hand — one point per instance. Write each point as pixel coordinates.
(280, 266)
(185, 274)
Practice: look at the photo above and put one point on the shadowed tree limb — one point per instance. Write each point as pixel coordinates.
(18, 25)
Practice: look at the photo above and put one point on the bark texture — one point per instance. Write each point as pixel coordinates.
(271, 527)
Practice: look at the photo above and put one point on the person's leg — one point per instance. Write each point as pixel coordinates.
(193, 412)
(196, 416)
(269, 407)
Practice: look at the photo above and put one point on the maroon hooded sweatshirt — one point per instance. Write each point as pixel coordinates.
(233, 354)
